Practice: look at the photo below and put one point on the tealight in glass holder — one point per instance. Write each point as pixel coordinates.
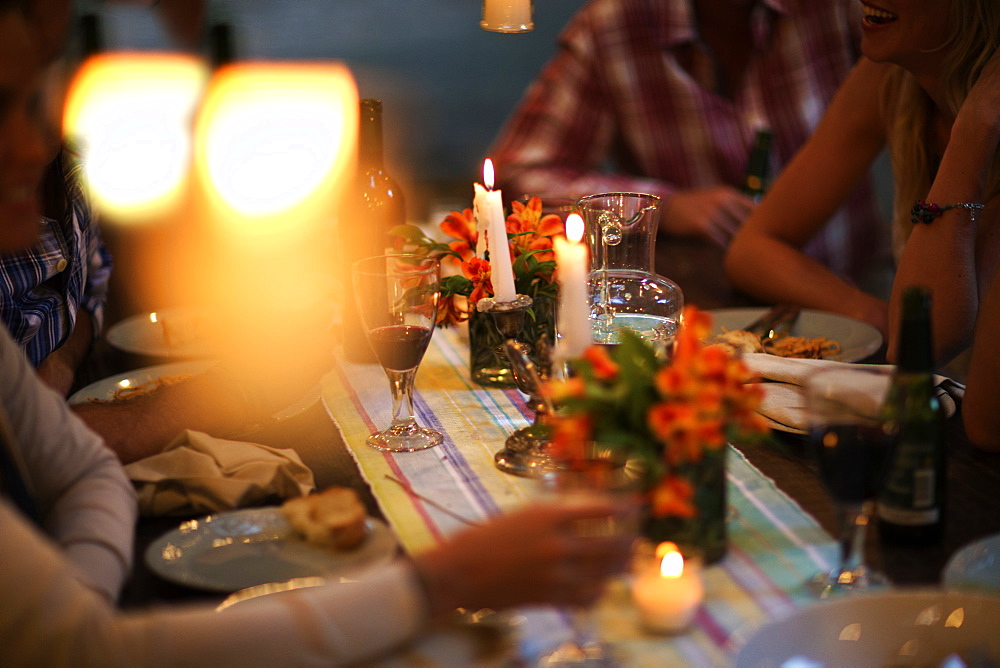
(508, 15)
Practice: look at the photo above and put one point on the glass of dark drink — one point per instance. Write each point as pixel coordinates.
(851, 441)
(397, 298)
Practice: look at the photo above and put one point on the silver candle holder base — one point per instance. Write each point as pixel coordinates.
(525, 452)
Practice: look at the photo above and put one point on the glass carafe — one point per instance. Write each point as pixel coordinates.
(625, 291)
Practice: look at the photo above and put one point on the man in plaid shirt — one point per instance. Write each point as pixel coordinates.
(52, 296)
(665, 97)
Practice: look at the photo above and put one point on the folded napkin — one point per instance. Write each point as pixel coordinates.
(784, 401)
(198, 474)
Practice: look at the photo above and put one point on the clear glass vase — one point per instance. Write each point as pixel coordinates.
(488, 364)
(625, 290)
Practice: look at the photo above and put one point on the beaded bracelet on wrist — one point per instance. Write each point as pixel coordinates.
(927, 212)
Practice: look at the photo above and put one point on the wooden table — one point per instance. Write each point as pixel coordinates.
(973, 509)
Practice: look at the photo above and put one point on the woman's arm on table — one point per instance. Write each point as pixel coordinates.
(765, 259)
(981, 406)
(953, 256)
(532, 555)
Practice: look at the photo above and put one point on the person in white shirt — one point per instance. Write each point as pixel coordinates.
(67, 512)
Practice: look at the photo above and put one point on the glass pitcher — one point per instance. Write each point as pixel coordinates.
(625, 291)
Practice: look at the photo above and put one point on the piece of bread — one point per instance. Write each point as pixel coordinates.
(333, 518)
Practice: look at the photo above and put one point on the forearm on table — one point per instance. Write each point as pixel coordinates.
(981, 407)
(942, 255)
(776, 272)
(143, 426)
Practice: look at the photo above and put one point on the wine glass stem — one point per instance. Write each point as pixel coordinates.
(401, 383)
(853, 528)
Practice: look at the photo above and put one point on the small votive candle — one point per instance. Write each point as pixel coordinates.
(507, 15)
(668, 596)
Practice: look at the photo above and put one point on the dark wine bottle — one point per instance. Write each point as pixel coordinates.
(911, 508)
(758, 165)
(373, 206)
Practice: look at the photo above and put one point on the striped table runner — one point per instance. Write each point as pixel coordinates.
(775, 547)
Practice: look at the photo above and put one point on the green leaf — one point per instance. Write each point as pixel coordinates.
(456, 285)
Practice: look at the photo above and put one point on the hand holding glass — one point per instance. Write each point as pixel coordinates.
(597, 473)
(851, 444)
(397, 298)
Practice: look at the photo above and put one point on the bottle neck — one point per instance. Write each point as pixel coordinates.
(916, 349)
(370, 137)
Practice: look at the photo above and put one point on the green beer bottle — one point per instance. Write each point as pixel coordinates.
(911, 509)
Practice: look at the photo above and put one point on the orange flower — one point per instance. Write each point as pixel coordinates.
(562, 389)
(568, 437)
(601, 363)
(461, 225)
(478, 271)
(673, 496)
(452, 310)
(532, 230)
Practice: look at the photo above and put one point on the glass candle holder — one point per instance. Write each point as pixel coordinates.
(508, 15)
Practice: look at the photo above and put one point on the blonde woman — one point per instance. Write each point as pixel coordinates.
(928, 87)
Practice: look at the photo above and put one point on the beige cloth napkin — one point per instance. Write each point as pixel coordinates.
(198, 474)
(784, 402)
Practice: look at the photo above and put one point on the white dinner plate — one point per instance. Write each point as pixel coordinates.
(143, 334)
(975, 566)
(104, 389)
(893, 628)
(857, 339)
(244, 548)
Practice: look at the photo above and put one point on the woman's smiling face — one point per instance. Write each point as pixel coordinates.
(24, 151)
(907, 33)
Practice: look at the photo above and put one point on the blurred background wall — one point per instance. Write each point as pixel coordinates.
(446, 84)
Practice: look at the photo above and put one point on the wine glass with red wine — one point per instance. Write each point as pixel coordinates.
(851, 442)
(397, 298)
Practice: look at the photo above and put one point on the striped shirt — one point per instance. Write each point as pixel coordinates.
(629, 104)
(43, 288)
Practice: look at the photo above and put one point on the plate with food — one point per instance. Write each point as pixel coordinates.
(813, 334)
(327, 535)
(174, 332)
(140, 382)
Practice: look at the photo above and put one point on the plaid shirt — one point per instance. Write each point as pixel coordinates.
(632, 87)
(43, 288)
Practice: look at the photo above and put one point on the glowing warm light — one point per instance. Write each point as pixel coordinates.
(153, 317)
(277, 139)
(574, 227)
(669, 596)
(130, 115)
(489, 175)
(672, 565)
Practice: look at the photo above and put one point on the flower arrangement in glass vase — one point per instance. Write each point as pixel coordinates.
(671, 422)
(529, 239)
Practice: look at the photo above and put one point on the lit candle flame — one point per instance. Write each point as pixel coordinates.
(574, 227)
(488, 174)
(672, 562)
